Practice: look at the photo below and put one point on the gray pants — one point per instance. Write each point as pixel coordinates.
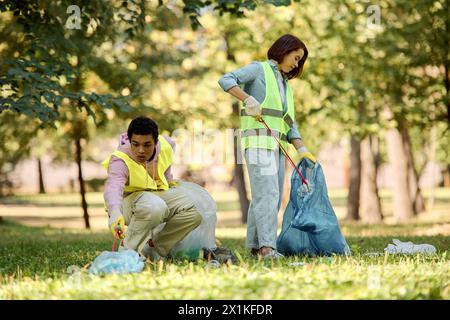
(144, 211)
(266, 173)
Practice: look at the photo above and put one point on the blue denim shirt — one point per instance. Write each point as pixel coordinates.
(252, 77)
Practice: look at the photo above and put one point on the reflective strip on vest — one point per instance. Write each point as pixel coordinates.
(263, 132)
(272, 112)
(288, 120)
(139, 179)
(265, 112)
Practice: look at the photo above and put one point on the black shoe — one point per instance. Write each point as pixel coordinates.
(223, 255)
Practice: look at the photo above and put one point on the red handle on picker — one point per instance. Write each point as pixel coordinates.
(116, 237)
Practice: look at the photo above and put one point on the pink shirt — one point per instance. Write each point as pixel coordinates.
(118, 172)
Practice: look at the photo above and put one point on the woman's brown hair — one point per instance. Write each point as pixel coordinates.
(283, 46)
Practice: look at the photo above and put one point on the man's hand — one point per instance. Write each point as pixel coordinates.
(304, 153)
(252, 107)
(117, 223)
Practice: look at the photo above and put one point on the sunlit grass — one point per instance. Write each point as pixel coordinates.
(34, 264)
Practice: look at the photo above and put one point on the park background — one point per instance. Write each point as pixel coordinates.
(373, 105)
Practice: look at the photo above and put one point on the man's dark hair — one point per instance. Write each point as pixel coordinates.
(143, 126)
(282, 47)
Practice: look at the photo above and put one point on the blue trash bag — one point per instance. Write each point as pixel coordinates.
(293, 241)
(119, 262)
(310, 225)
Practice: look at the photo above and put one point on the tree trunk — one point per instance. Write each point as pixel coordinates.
(418, 202)
(447, 177)
(81, 181)
(78, 129)
(355, 179)
(447, 65)
(447, 90)
(238, 176)
(40, 177)
(402, 204)
(370, 200)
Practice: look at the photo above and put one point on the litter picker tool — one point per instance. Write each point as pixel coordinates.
(304, 181)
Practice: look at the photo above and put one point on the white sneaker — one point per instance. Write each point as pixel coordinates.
(273, 254)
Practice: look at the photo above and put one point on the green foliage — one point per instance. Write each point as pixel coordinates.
(415, 44)
(138, 57)
(44, 58)
(237, 8)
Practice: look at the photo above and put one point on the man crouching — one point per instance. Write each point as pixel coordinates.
(140, 192)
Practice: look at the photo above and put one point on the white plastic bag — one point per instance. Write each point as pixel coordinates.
(123, 261)
(409, 248)
(204, 235)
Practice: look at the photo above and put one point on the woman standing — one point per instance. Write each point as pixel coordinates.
(267, 94)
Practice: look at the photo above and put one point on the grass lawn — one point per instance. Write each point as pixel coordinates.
(36, 263)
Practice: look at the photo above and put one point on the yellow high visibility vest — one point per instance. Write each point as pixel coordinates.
(139, 179)
(253, 133)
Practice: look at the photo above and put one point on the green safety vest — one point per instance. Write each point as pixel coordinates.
(253, 133)
(139, 179)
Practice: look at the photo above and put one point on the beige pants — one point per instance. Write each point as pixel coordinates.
(144, 211)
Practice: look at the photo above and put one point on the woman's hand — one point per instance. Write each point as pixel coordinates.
(308, 155)
(302, 150)
(252, 107)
